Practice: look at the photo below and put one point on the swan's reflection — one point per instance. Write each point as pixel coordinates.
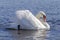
(28, 34)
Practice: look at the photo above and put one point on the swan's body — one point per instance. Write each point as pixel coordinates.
(27, 20)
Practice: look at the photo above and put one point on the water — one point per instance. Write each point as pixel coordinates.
(22, 34)
(7, 16)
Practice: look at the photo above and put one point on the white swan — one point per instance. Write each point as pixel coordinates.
(27, 20)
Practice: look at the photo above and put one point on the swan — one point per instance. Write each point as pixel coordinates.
(27, 20)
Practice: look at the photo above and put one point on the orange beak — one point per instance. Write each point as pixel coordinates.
(44, 17)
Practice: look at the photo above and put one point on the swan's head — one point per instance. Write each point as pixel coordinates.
(41, 15)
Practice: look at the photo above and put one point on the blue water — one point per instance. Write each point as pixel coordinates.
(7, 15)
